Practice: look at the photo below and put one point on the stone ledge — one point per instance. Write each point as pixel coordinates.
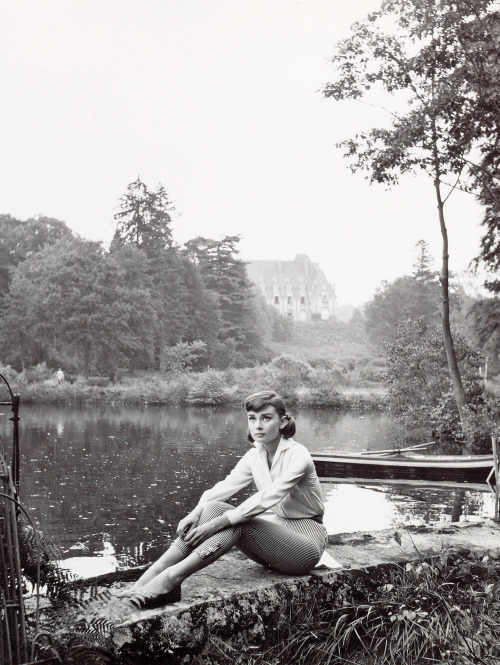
(237, 601)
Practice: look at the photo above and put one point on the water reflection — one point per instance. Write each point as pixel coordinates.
(121, 478)
(368, 507)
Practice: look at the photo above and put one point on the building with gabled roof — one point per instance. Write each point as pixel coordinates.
(297, 289)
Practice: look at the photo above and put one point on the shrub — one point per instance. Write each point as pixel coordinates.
(294, 368)
(210, 389)
(9, 373)
(182, 356)
(38, 373)
(322, 392)
(291, 373)
(420, 389)
(177, 390)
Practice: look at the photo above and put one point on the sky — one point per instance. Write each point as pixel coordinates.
(220, 101)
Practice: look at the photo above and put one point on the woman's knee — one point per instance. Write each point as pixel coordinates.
(213, 510)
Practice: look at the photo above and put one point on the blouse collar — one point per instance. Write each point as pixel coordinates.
(284, 444)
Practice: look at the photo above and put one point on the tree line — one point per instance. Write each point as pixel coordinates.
(146, 302)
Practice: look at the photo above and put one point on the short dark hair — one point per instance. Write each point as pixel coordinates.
(258, 401)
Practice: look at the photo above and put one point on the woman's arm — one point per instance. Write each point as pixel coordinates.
(240, 477)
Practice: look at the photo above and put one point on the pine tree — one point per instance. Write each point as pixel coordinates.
(225, 274)
(144, 218)
(423, 272)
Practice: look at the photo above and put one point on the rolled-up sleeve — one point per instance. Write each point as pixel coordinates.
(266, 498)
(240, 477)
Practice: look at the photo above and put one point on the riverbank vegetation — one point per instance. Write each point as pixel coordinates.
(420, 389)
(389, 356)
(298, 381)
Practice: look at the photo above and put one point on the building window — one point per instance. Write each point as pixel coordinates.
(276, 300)
(302, 300)
(289, 300)
(324, 300)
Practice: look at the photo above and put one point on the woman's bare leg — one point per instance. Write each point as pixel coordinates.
(176, 553)
(172, 556)
(173, 576)
(173, 569)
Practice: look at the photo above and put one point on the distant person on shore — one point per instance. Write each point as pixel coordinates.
(280, 526)
(60, 376)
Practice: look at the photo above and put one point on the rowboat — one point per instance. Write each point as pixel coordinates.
(404, 464)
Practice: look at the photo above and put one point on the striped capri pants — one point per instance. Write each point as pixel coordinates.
(292, 546)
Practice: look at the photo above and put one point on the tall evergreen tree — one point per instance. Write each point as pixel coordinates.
(144, 218)
(422, 267)
(225, 274)
(184, 308)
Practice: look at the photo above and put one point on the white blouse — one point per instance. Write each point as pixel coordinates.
(290, 488)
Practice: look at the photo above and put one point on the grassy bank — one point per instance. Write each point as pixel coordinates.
(298, 382)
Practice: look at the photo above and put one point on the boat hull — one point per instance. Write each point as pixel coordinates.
(467, 470)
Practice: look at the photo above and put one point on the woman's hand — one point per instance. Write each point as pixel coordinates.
(187, 524)
(199, 534)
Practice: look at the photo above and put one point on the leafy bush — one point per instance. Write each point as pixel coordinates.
(250, 380)
(210, 389)
(420, 389)
(293, 367)
(9, 373)
(374, 370)
(38, 373)
(291, 373)
(322, 391)
(177, 390)
(182, 356)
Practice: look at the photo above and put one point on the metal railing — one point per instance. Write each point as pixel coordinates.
(494, 475)
(13, 402)
(13, 637)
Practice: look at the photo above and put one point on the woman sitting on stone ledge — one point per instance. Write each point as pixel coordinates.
(279, 526)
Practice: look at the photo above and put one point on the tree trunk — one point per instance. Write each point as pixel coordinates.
(451, 356)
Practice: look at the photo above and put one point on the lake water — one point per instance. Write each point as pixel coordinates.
(109, 484)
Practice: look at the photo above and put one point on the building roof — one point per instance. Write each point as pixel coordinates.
(301, 269)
